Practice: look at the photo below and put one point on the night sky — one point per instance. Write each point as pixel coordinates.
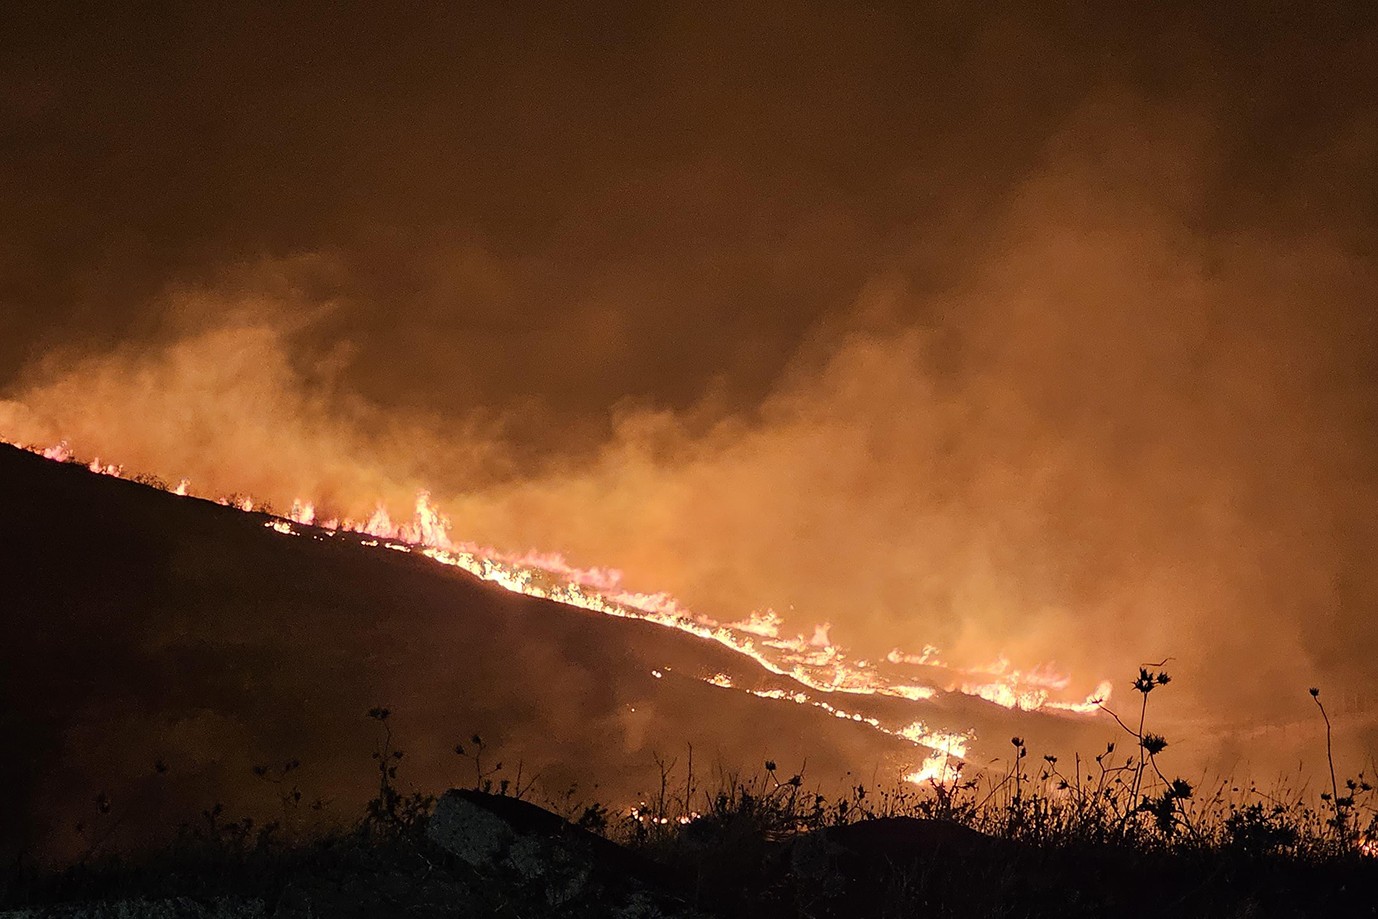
(1037, 329)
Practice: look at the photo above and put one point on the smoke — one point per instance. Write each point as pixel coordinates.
(1117, 440)
(1115, 409)
(233, 394)
(1120, 439)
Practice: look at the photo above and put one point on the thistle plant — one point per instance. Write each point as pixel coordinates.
(1165, 807)
(391, 812)
(1347, 826)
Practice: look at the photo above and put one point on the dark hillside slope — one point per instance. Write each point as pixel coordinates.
(140, 626)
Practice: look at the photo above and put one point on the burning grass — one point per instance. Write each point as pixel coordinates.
(1029, 834)
(816, 662)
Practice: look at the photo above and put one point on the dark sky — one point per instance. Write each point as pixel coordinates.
(1040, 328)
(669, 196)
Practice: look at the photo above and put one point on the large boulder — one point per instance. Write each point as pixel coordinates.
(565, 867)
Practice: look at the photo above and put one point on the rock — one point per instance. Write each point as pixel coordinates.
(574, 871)
(472, 833)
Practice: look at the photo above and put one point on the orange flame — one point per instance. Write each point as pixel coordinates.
(816, 663)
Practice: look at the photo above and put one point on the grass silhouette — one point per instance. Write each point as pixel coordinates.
(1112, 835)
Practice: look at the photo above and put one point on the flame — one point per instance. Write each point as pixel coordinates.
(303, 512)
(945, 763)
(99, 469)
(816, 662)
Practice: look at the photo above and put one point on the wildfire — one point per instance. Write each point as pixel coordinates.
(945, 763)
(816, 663)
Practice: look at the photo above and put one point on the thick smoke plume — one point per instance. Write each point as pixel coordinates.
(1114, 407)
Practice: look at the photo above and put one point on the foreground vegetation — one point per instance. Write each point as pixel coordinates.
(1113, 835)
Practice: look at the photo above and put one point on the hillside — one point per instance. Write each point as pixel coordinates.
(147, 628)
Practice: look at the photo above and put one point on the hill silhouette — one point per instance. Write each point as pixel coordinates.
(158, 647)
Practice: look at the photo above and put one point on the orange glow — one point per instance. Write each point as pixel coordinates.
(816, 663)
